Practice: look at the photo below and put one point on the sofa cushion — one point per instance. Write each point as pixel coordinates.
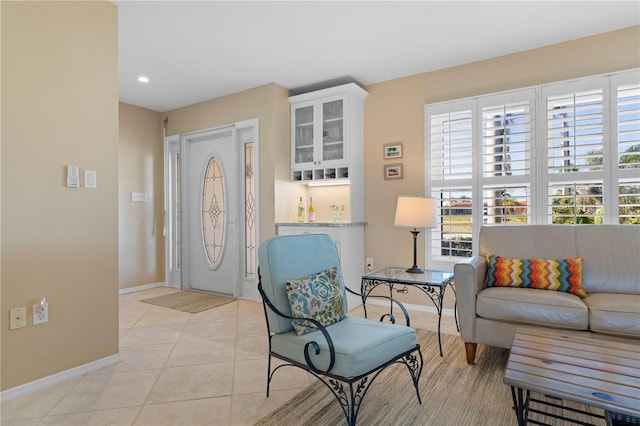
(611, 254)
(528, 241)
(617, 314)
(546, 274)
(374, 344)
(532, 306)
(316, 296)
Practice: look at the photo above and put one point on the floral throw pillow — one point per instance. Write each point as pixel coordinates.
(316, 296)
(547, 274)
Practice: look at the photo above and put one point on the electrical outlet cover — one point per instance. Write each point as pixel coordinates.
(40, 316)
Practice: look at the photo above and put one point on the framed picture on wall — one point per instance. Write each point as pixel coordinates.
(392, 150)
(393, 171)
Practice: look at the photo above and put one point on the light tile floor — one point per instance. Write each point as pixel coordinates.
(178, 368)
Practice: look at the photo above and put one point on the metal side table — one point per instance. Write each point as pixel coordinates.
(433, 283)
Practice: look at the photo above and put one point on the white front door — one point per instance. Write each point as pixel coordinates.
(212, 215)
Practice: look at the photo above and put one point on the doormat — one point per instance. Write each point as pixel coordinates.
(189, 301)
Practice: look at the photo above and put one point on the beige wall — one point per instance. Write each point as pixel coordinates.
(140, 169)
(268, 103)
(59, 107)
(394, 111)
(63, 243)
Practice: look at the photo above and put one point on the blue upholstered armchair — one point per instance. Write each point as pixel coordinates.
(304, 299)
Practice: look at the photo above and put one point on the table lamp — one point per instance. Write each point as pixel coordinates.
(415, 212)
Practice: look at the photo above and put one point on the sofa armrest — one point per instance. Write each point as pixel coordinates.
(469, 278)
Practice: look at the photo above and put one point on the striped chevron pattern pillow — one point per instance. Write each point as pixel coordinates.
(547, 274)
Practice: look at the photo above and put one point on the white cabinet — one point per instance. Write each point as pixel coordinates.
(349, 239)
(327, 134)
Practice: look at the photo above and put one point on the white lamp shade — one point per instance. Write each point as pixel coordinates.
(416, 212)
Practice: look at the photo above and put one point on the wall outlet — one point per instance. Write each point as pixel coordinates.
(369, 263)
(40, 313)
(18, 318)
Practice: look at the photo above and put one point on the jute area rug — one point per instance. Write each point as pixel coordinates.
(189, 301)
(453, 393)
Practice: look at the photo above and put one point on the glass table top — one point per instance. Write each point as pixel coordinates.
(399, 275)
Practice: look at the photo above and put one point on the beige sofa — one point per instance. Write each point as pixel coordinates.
(611, 278)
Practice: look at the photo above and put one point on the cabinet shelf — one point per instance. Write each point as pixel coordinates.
(320, 174)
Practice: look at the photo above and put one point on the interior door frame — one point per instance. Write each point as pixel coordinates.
(171, 234)
(242, 132)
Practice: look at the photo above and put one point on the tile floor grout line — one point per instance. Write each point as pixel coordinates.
(162, 369)
(233, 375)
(247, 316)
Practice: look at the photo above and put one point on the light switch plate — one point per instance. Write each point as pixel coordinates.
(139, 197)
(90, 179)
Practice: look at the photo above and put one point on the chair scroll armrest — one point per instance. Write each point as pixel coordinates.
(391, 317)
(316, 347)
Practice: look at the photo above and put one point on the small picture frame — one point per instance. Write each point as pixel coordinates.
(393, 171)
(392, 150)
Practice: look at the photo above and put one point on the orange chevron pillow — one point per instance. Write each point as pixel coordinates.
(547, 274)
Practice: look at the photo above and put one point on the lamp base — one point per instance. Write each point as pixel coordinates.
(415, 270)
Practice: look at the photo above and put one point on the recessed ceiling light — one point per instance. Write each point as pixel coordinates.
(143, 79)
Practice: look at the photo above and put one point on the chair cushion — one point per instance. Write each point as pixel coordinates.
(612, 313)
(287, 257)
(361, 345)
(546, 274)
(316, 296)
(535, 307)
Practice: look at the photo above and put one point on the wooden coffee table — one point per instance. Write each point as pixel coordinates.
(599, 373)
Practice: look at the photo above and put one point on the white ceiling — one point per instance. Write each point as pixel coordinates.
(198, 50)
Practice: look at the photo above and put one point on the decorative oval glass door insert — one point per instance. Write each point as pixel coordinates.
(214, 213)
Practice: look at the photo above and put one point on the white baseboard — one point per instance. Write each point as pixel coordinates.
(411, 307)
(140, 288)
(54, 379)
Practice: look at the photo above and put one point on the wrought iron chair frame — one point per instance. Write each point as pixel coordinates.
(357, 386)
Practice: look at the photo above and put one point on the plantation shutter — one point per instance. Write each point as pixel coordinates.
(450, 146)
(450, 136)
(506, 156)
(628, 155)
(575, 142)
(563, 153)
(575, 131)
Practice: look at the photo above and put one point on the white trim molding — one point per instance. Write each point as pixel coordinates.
(54, 379)
(446, 312)
(141, 287)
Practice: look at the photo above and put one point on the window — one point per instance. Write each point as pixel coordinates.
(575, 134)
(450, 171)
(506, 156)
(566, 152)
(628, 154)
(214, 212)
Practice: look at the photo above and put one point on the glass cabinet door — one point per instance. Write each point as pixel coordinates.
(332, 130)
(303, 148)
